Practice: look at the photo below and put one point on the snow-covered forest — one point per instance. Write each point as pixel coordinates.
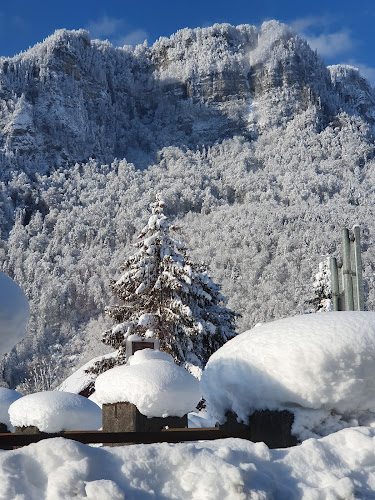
(260, 151)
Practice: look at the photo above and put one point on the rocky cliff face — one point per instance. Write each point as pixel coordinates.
(354, 91)
(71, 98)
(60, 101)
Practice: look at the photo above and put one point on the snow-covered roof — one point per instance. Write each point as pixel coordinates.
(153, 382)
(79, 380)
(144, 355)
(322, 362)
(7, 397)
(55, 411)
(14, 314)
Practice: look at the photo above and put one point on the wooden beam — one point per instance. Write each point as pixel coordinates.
(91, 437)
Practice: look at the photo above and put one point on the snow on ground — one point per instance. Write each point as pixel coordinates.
(7, 397)
(14, 314)
(153, 382)
(54, 411)
(341, 465)
(319, 366)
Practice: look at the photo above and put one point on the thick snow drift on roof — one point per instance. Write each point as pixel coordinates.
(79, 380)
(341, 465)
(14, 314)
(54, 411)
(147, 354)
(317, 361)
(7, 397)
(151, 381)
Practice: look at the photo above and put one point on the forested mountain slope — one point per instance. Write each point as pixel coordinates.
(261, 152)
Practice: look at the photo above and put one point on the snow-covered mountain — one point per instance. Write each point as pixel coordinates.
(261, 152)
(71, 98)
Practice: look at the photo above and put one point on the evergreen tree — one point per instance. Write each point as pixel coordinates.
(165, 295)
(322, 300)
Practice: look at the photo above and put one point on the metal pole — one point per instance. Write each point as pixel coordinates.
(335, 283)
(358, 269)
(346, 270)
(353, 273)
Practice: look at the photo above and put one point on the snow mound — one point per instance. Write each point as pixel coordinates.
(7, 397)
(152, 382)
(14, 314)
(316, 361)
(54, 411)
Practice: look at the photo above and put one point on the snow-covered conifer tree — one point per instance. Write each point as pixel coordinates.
(322, 285)
(165, 295)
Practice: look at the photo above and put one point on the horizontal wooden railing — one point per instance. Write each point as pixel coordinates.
(92, 437)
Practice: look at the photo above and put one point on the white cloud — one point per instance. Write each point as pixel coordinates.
(133, 38)
(12, 22)
(104, 27)
(319, 33)
(116, 31)
(331, 44)
(305, 23)
(18, 21)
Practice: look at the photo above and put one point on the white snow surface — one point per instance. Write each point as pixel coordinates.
(55, 411)
(153, 382)
(7, 397)
(323, 363)
(14, 314)
(341, 465)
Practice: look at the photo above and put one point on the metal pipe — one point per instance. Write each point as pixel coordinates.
(335, 283)
(346, 271)
(360, 302)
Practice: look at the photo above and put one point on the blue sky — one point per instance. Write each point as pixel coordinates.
(341, 31)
